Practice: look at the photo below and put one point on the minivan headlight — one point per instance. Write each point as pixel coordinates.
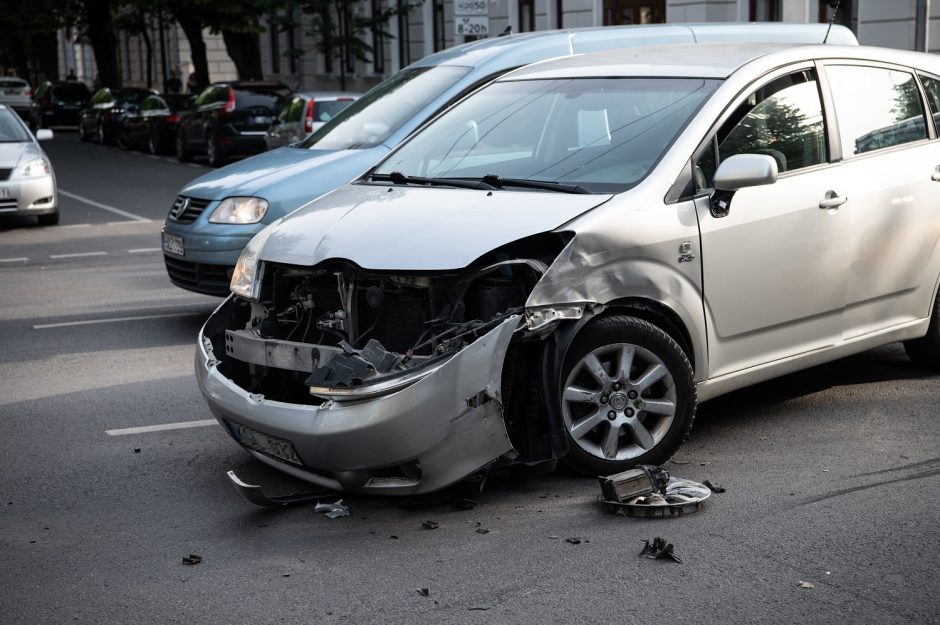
(34, 168)
(239, 210)
(246, 279)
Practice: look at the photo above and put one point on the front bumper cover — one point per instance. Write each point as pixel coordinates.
(448, 424)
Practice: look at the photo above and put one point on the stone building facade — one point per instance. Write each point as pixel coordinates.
(291, 54)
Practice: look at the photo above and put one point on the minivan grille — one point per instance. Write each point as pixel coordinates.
(185, 209)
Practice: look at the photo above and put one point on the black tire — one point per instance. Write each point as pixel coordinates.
(611, 424)
(925, 351)
(101, 134)
(122, 140)
(183, 153)
(84, 136)
(214, 152)
(154, 145)
(50, 219)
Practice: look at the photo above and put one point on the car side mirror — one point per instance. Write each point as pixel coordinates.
(737, 172)
(43, 134)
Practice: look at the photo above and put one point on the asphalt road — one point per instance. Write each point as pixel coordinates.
(833, 475)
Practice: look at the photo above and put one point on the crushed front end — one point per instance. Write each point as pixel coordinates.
(381, 382)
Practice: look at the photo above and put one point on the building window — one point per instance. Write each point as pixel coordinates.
(526, 16)
(404, 32)
(765, 10)
(624, 12)
(275, 44)
(438, 18)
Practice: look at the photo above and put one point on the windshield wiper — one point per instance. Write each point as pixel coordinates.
(399, 178)
(501, 183)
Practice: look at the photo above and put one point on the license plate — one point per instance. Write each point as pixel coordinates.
(263, 443)
(4, 192)
(259, 120)
(173, 244)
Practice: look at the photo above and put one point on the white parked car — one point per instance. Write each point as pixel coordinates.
(27, 182)
(565, 262)
(16, 94)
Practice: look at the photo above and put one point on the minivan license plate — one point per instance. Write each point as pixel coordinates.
(173, 244)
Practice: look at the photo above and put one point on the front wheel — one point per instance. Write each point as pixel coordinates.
(214, 152)
(925, 351)
(628, 396)
(49, 219)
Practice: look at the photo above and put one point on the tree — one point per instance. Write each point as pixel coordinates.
(99, 24)
(191, 22)
(339, 30)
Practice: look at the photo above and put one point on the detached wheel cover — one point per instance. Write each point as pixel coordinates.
(619, 401)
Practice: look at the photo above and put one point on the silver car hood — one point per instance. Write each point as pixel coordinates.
(12, 153)
(416, 228)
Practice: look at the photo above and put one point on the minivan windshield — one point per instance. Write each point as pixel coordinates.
(373, 118)
(600, 135)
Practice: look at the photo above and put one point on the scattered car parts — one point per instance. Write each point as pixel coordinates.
(659, 549)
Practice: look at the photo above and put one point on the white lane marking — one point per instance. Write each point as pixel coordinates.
(122, 223)
(195, 165)
(153, 156)
(78, 255)
(76, 226)
(105, 207)
(89, 322)
(144, 250)
(182, 425)
(21, 259)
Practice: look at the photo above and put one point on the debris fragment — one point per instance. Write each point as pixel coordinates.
(659, 549)
(553, 537)
(424, 592)
(333, 510)
(715, 488)
(482, 608)
(192, 559)
(394, 537)
(574, 540)
(136, 450)
(285, 574)
(679, 462)
(430, 525)
(649, 491)
(807, 585)
(483, 530)
(465, 503)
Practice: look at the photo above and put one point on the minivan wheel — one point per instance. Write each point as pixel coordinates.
(925, 351)
(182, 152)
(628, 396)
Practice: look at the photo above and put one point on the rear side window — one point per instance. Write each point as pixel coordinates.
(782, 119)
(70, 91)
(325, 110)
(877, 108)
(932, 89)
(296, 111)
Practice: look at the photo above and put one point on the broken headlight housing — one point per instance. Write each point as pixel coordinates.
(246, 279)
(239, 210)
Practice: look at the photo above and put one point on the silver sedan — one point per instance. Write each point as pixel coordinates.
(27, 182)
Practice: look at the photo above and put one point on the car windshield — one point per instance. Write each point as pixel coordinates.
(373, 118)
(71, 91)
(11, 130)
(599, 135)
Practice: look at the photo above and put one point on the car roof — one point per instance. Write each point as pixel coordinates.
(14, 79)
(706, 60)
(329, 95)
(519, 49)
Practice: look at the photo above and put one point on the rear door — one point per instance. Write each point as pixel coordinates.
(894, 200)
(774, 269)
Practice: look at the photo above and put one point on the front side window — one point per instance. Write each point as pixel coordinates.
(783, 119)
(601, 134)
(876, 107)
(373, 118)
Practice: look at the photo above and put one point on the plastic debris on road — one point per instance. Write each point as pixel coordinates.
(192, 559)
(807, 585)
(649, 491)
(333, 510)
(715, 488)
(659, 549)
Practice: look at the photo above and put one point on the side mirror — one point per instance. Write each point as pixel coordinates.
(43, 134)
(737, 172)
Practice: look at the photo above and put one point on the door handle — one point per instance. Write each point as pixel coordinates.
(935, 176)
(832, 200)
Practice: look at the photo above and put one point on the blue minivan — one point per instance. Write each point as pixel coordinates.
(216, 215)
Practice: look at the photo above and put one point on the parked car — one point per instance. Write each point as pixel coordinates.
(58, 104)
(305, 113)
(102, 117)
(27, 182)
(229, 119)
(15, 94)
(565, 262)
(215, 215)
(152, 125)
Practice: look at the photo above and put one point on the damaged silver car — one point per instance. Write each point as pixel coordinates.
(565, 262)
